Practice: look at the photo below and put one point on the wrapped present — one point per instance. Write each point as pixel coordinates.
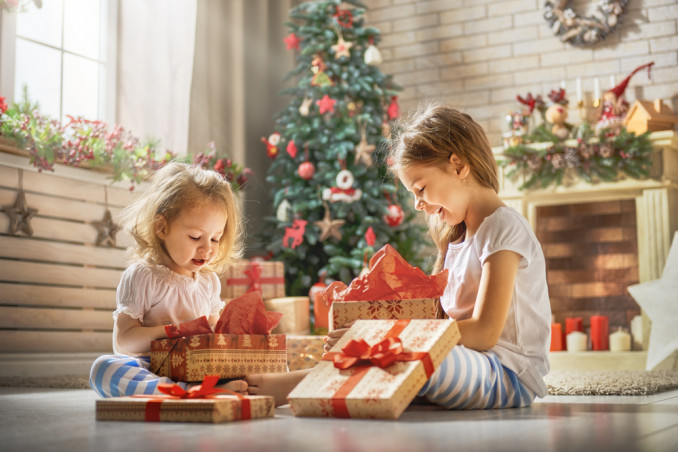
(343, 312)
(296, 318)
(240, 345)
(303, 351)
(203, 403)
(375, 370)
(265, 277)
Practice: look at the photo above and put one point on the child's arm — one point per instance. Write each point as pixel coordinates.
(132, 337)
(483, 329)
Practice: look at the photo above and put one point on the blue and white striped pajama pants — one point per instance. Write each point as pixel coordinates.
(120, 375)
(472, 380)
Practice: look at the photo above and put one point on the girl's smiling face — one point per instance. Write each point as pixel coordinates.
(192, 239)
(439, 190)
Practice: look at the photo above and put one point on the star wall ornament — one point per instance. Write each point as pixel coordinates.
(106, 229)
(328, 226)
(20, 215)
(659, 301)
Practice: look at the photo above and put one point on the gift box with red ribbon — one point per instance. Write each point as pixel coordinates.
(265, 277)
(375, 370)
(202, 403)
(344, 312)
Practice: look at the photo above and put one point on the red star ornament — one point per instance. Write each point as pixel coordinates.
(292, 41)
(326, 104)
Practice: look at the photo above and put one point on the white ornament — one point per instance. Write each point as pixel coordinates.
(282, 213)
(344, 179)
(344, 190)
(372, 56)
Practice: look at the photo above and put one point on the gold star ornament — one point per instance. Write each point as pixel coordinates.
(329, 227)
(363, 152)
(20, 216)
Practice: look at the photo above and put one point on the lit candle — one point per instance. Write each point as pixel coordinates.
(576, 341)
(596, 88)
(599, 332)
(556, 337)
(579, 89)
(620, 341)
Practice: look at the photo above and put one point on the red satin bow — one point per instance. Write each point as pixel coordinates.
(356, 352)
(254, 274)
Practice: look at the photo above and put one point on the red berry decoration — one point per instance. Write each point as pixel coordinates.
(306, 170)
(395, 215)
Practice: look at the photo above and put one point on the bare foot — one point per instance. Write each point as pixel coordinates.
(239, 386)
(276, 385)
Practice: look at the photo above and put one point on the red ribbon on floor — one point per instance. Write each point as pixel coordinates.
(360, 355)
(205, 390)
(254, 279)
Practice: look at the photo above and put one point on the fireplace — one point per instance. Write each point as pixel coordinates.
(600, 238)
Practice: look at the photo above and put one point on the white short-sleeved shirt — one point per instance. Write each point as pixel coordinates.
(156, 295)
(525, 340)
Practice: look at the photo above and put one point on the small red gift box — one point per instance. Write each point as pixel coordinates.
(266, 277)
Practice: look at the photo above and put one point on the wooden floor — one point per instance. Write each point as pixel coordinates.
(63, 420)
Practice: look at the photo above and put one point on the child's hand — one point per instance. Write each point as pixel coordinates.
(334, 336)
(239, 386)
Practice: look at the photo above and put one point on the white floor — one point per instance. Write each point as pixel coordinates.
(59, 420)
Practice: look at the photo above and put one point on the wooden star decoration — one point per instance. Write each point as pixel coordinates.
(20, 215)
(658, 300)
(106, 229)
(363, 152)
(329, 227)
(342, 48)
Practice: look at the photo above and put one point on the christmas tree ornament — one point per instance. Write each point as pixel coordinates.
(344, 17)
(326, 104)
(282, 213)
(344, 190)
(328, 226)
(106, 228)
(320, 78)
(342, 48)
(364, 150)
(370, 237)
(292, 41)
(296, 233)
(395, 215)
(372, 55)
(305, 106)
(393, 109)
(306, 170)
(292, 149)
(272, 144)
(20, 214)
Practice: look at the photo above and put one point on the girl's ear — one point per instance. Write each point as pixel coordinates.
(462, 169)
(160, 226)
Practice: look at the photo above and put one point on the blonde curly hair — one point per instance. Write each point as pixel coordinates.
(170, 189)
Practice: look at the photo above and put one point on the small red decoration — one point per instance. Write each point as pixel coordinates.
(344, 17)
(296, 233)
(3, 105)
(306, 170)
(292, 149)
(326, 104)
(272, 144)
(393, 109)
(369, 236)
(395, 215)
(292, 41)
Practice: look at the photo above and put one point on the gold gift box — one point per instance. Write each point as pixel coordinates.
(226, 355)
(370, 391)
(303, 352)
(343, 312)
(216, 409)
(268, 277)
(296, 317)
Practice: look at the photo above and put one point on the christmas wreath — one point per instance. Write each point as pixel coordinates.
(592, 158)
(569, 27)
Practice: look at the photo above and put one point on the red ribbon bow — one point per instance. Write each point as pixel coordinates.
(254, 274)
(358, 352)
(205, 390)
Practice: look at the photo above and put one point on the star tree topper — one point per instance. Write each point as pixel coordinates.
(658, 300)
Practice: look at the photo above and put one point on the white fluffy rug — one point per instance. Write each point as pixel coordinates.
(611, 382)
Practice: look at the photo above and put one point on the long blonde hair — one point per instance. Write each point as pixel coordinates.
(429, 137)
(170, 189)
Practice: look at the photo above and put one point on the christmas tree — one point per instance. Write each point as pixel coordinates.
(334, 199)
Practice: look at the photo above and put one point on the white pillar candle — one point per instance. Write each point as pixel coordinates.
(620, 341)
(562, 84)
(611, 81)
(576, 342)
(596, 88)
(637, 332)
(578, 89)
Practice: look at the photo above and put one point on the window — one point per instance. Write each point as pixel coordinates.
(64, 53)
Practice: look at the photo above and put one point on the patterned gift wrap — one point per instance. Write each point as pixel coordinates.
(367, 390)
(266, 277)
(216, 409)
(303, 352)
(227, 355)
(343, 312)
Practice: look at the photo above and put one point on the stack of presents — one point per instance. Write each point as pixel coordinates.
(397, 338)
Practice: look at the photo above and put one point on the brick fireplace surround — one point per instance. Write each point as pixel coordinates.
(600, 238)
